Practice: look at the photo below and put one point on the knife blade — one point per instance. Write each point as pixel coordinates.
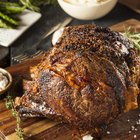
(53, 29)
(62, 24)
(58, 26)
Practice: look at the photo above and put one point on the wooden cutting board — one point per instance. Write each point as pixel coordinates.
(44, 129)
(133, 4)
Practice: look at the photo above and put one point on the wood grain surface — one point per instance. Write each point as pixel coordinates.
(133, 4)
(44, 129)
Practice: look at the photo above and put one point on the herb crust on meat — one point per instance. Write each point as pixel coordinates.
(87, 79)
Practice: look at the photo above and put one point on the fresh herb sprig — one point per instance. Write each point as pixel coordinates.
(10, 105)
(134, 36)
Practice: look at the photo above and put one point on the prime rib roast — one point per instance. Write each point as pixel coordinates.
(87, 79)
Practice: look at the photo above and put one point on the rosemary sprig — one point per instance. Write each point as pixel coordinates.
(134, 37)
(10, 105)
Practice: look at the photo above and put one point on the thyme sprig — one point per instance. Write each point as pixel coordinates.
(10, 105)
(134, 36)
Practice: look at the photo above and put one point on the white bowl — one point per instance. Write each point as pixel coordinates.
(88, 12)
(9, 77)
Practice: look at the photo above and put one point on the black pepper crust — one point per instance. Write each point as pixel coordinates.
(87, 79)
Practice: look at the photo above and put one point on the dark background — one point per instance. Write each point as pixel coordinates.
(51, 16)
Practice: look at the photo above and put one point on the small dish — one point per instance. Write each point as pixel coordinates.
(9, 78)
(88, 11)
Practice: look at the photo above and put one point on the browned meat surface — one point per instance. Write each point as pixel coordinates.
(89, 77)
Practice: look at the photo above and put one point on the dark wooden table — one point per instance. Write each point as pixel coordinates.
(51, 16)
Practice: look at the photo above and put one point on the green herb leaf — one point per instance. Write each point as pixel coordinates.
(10, 105)
(134, 37)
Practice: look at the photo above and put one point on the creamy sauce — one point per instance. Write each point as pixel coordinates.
(83, 2)
(3, 81)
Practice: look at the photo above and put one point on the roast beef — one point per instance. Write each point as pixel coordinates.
(87, 79)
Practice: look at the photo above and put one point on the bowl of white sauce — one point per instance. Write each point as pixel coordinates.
(5, 80)
(87, 9)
